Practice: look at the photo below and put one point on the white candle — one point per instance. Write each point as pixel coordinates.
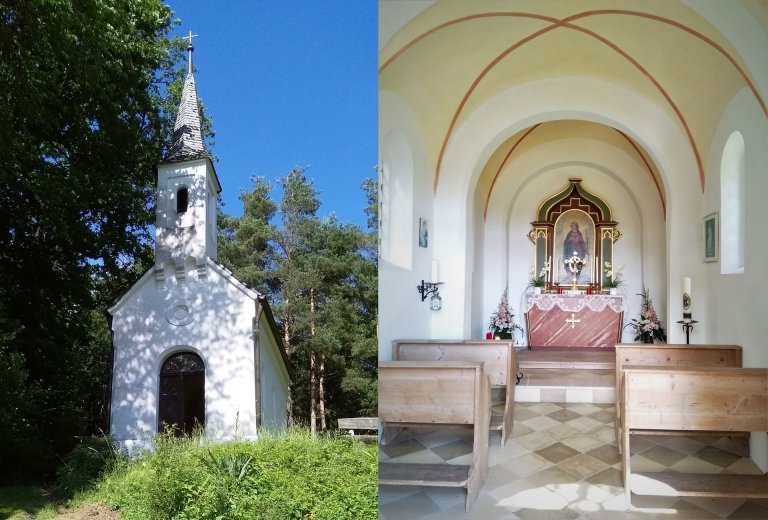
(435, 273)
(687, 286)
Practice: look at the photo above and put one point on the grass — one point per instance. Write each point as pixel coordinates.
(25, 502)
(293, 476)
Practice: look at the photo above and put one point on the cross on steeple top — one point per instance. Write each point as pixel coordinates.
(190, 48)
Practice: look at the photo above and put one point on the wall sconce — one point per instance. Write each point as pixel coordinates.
(427, 288)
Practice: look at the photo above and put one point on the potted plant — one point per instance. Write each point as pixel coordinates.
(538, 282)
(613, 279)
(648, 328)
(503, 321)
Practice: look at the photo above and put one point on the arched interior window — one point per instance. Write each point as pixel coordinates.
(182, 393)
(182, 200)
(732, 201)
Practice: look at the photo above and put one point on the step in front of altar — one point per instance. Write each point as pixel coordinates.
(565, 385)
(566, 359)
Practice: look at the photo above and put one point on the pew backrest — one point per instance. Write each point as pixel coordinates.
(430, 392)
(669, 355)
(692, 400)
(701, 399)
(672, 355)
(433, 393)
(499, 359)
(499, 356)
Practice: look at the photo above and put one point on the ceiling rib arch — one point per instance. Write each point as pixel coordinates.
(565, 22)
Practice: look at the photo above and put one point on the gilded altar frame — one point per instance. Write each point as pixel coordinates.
(592, 218)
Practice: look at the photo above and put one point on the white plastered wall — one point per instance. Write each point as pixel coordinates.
(618, 179)
(405, 196)
(219, 330)
(518, 108)
(734, 305)
(274, 380)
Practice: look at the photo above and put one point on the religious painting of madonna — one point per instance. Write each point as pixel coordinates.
(574, 232)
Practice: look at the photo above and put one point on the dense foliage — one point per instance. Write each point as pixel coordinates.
(88, 93)
(279, 477)
(84, 123)
(321, 277)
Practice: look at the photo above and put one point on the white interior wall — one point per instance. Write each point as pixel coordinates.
(405, 196)
(735, 310)
(482, 132)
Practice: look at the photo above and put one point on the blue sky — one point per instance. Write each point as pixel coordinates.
(289, 83)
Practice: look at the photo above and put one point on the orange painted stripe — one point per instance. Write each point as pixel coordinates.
(690, 31)
(501, 167)
(564, 23)
(658, 86)
(413, 42)
(650, 171)
(472, 88)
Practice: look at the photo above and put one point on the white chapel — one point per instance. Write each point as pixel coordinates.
(193, 346)
(643, 124)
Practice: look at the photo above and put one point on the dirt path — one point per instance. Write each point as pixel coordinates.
(89, 512)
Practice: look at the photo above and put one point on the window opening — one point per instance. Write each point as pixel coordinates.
(182, 200)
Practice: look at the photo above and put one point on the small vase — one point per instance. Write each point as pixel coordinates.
(537, 290)
(613, 291)
(647, 338)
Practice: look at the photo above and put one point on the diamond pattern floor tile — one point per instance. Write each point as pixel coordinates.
(562, 462)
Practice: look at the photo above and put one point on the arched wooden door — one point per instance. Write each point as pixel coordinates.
(182, 393)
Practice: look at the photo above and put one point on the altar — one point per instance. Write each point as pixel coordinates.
(573, 321)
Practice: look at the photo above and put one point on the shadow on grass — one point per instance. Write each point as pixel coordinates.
(25, 502)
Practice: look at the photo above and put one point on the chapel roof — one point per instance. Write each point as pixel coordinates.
(187, 141)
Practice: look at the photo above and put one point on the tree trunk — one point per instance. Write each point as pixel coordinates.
(312, 369)
(312, 394)
(321, 393)
(287, 341)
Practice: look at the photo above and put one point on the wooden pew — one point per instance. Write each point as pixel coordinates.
(707, 399)
(500, 360)
(674, 356)
(418, 393)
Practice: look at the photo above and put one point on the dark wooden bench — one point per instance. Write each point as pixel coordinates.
(675, 356)
(693, 400)
(355, 425)
(418, 393)
(500, 360)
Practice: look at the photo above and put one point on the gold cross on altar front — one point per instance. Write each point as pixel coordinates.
(573, 321)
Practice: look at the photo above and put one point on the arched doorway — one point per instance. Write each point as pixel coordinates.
(182, 393)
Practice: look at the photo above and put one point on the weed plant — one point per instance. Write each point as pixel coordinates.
(280, 476)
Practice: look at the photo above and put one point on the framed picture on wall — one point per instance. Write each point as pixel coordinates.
(423, 232)
(711, 237)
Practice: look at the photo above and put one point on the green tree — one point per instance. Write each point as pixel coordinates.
(321, 277)
(82, 93)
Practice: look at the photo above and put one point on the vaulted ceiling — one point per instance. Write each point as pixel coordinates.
(448, 58)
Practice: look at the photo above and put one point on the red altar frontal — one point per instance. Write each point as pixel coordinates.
(579, 321)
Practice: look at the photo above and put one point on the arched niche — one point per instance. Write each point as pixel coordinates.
(574, 209)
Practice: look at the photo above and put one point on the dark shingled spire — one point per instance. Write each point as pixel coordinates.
(187, 142)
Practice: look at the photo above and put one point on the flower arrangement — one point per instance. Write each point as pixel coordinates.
(503, 321)
(613, 279)
(648, 328)
(541, 279)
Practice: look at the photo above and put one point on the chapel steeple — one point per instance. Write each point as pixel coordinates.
(187, 141)
(187, 191)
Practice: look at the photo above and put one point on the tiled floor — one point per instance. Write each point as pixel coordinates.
(561, 463)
